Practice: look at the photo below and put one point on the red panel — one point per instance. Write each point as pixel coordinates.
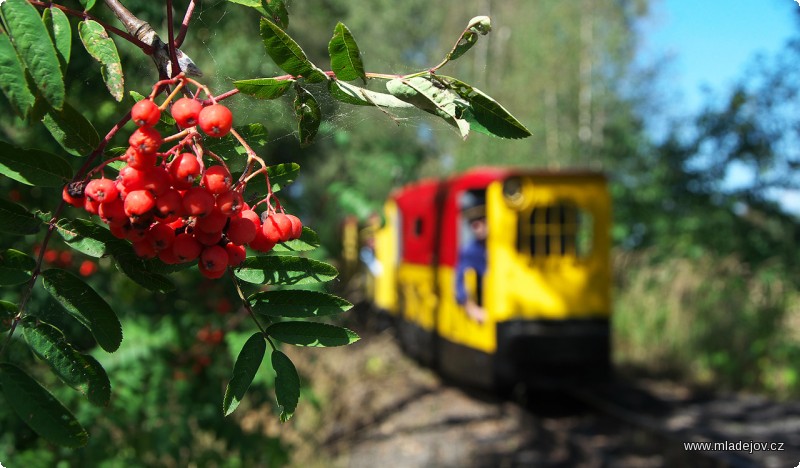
(418, 216)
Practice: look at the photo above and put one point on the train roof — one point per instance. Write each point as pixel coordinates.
(482, 176)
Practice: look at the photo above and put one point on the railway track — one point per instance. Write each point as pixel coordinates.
(381, 405)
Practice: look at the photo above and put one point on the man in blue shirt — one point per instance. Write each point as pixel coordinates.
(472, 256)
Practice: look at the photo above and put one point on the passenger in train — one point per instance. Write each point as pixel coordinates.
(472, 262)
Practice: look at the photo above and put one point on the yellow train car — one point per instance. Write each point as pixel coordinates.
(500, 276)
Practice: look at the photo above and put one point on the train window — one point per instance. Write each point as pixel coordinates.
(418, 227)
(560, 229)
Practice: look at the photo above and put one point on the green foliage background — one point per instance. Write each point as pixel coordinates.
(706, 274)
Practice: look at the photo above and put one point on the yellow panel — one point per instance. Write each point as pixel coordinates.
(454, 323)
(386, 251)
(417, 296)
(548, 287)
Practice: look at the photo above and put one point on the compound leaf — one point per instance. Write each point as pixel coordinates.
(311, 334)
(484, 113)
(15, 267)
(345, 57)
(287, 54)
(39, 409)
(71, 130)
(297, 303)
(308, 241)
(16, 219)
(85, 236)
(31, 40)
(284, 269)
(33, 167)
(287, 384)
(83, 303)
(263, 88)
(12, 79)
(60, 31)
(244, 371)
(80, 371)
(355, 95)
(308, 114)
(96, 41)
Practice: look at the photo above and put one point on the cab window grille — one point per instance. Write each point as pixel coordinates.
(555, 230)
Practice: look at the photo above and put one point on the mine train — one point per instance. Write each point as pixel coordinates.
(545, 290)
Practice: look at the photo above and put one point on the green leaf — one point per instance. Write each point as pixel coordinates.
(58, 27)
(228, 147)
(287, 384)
(358, 96)
(71, 130)
(345, 57)
(96, 41)
(12, 79)
(80, 371)
(85, 236)
(244, 370)
(280, 175)
(39, 56)
(308, 241)
(263, 88)
(249, 3)
(277, 12)
(297, 303)
(87, 4)
(428, 94)
(137, 269)
(477, 25)
(311, 334)
(308, 114)
(484, 113)
(83, 303)
(8, 310)
(284, 269)
(16, 219)
(287, 54)
(33, 167)
(15, 267)
(39, 409)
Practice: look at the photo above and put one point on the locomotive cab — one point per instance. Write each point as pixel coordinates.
(544, 294)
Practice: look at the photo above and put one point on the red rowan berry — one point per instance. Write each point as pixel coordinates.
(214, 258)
(138, 160)
(156, 180)
(236, 254)
(215, 120)
(137, 234)
(168, 256)
(212, 222)
(91, 206)
(145, 140)
(113, 212)
(169, 204)
(72, 200)
(197, 201)
(241, 230)
(185, 111)
(261, 243)
(186, 248)
(120, 231)
(101, 190)
(160, 236)
(297, 226)
(230, 202)
(252, 216)
(144, 249)
(210, 274)
(207, 238)
(145, 113)
(138, 203)
(87, 268)
(277, 227)
(183, 170)
(217, 179)
(132, 178)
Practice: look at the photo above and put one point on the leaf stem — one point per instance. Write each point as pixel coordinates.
(173, 57)
(250, 311)
(185, 24)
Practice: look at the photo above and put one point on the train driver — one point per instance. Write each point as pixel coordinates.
(471, 263)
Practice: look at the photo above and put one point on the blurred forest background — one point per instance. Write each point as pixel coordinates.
(706, 272)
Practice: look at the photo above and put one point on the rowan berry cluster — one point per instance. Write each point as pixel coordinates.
(173, 206)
